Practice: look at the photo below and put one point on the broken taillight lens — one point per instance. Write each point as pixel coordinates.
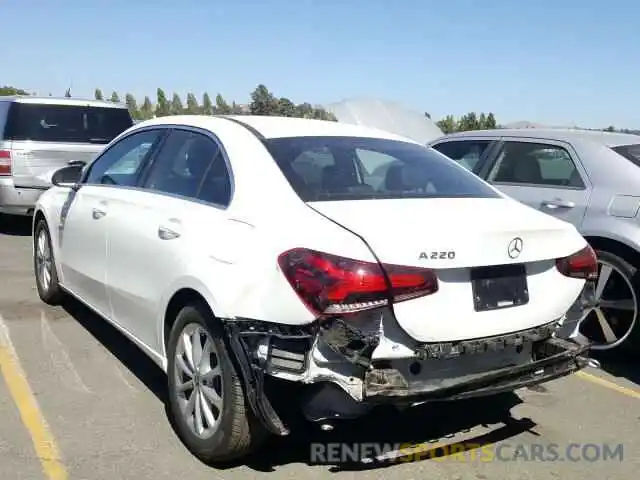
(334, 285)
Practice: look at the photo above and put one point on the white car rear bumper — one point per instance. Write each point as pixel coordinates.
(345, 381)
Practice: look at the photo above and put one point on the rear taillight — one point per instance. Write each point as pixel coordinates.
(582, 264)
(332, 285)
(5, 163)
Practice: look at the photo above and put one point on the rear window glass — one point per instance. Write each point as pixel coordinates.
(354, 168)
(65, 123)
(630, 152)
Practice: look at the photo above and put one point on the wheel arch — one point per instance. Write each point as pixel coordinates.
(184, 293)
(40, 214)
(37, 216)
(617, 247)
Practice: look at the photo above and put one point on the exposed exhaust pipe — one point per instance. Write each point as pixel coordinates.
(592, 362)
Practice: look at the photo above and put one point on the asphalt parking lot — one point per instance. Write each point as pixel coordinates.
(78, 401)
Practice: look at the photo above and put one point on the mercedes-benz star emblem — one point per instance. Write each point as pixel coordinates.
(515, 247)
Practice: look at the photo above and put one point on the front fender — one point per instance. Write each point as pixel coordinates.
(50, 205)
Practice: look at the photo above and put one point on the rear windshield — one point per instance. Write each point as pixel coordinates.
(65, 123)
(630, 152)
(350, 168)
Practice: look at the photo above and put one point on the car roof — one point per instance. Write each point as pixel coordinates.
(610, 139)
(277, 127)
(41, 100)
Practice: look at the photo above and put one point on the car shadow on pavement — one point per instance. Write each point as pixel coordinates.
(481, 421)
(15, 225)
(463, 426)
(124, 350)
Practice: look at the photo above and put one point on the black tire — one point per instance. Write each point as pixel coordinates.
(239, 432)
(631, 344)
(51, 294)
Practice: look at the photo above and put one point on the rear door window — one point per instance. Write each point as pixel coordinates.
(65, 123)
(466, 152)
(528, 163)
(191, 165)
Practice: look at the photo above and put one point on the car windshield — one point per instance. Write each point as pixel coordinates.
(630, 152)
(355, 168)
(66, 123)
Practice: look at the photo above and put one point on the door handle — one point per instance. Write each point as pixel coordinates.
(97, 213)
(166, 233)
(558, 203)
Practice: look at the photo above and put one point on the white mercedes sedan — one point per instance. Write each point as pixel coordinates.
(360, 265)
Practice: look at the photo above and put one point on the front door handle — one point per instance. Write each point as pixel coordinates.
(97, 213)
(166, 233)
(558, 203)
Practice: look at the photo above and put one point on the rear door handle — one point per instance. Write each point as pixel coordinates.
(166, 233)
(558, 203)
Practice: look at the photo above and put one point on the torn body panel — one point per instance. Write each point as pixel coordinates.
(350, 364)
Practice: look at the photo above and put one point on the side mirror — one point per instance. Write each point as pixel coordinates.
(68, 176)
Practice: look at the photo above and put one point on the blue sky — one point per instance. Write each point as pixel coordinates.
(555, 62)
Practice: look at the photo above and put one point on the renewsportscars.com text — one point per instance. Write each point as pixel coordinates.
(334, 453)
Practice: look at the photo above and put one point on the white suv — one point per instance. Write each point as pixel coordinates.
(38, 135)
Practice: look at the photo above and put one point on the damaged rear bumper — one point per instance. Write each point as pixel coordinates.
(259, 347)
(551, 358)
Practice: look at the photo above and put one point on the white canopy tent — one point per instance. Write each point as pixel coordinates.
(385, 115)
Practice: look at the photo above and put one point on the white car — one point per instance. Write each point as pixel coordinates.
(363, 265)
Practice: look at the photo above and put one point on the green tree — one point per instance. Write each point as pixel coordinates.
(263, 102)
(448, 124)
(304, 110)
(207, 105)
(132, 105)
(163, 108)
(286, 108)
(146, 110)
(97, 94)
(491, 121)
(610, 128)
(222, 107)
(115, 98)
(192, 105)
(482, 121)
(322, 114)
(468, 122)
(176, 105)
(7, 90)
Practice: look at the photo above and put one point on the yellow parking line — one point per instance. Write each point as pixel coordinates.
(610, 385)
(32, 417)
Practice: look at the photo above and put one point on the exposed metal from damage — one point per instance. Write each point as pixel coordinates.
(263, 349)
(242, 336)
(497, 343)
(551, 358)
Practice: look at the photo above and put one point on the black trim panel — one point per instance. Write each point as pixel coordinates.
(255, 132)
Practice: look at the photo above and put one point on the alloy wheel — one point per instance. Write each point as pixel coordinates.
(613, 318)
(198, 380)
(43, 260)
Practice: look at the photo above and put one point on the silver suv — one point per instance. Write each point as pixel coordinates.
(38, 135)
